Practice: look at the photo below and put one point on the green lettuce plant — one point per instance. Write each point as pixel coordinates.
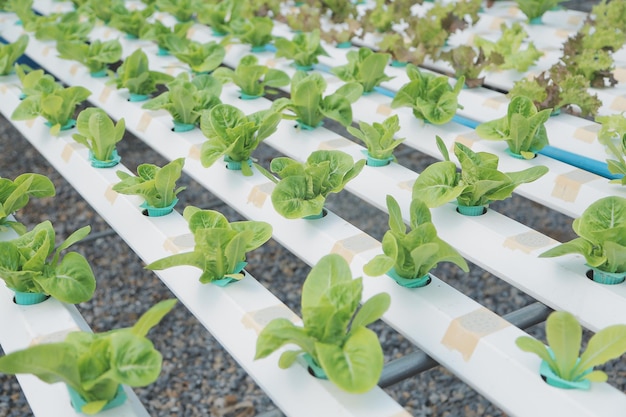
(535, 9)
(53, 102)
(186, 99)
(364, 67)
(307, 19)
(612, 134)
(31, 264)
(339, 10)
(303, 187)
(156, 185)
(15, 194)
(70, 27)
(378, 137)
(252, 78)
(430, 96)
(414, 254)
(522, 128)
(508, 46)
(310, 106)
(234, 135)
(264, 8)
(601, 231)
(468, 62)
(333, 334)
(221, 15)
(182, 10)
(478, 184)
(201, 57)
(563, 356)
(104, 9)
(130, 21)
(380, 18)
(158, 32)
(135, 74)
(609, 14)
(341, 36)
(255, 31)
(11, 52)
(94, 365)
(303, 49)
(95, 55)
(401, 52)
(590, 53)
(99, 134)
(220, 247)
(30, 80)
(558, 88)
(27, 17)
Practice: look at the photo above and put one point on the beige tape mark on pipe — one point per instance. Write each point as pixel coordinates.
(68, 151)
(468, 139)
(258, 319)
(332, 144)
(3, 89)
(384, 109)
(144, 122)
(74, 69)
(574, 20)
(562, 33)
(619, 103)
(55, 337)
(465, 332)
(30, 123)
(194, 151)
(177, 244)
(259, 193)
(528, 242)
(105, 94)
(111, 195)
(354, 245)
(587, 134)
(496, 22)
(46, 50)
(496, 102)
(567, 186)
(403, 413)
(406, 185)
(620, 74)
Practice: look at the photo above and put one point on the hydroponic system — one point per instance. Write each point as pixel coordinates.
(522, 98)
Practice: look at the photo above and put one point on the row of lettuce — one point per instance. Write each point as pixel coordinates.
(430, 97)
(587, 56)
(334, 333)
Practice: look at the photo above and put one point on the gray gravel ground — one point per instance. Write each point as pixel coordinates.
(199, 377)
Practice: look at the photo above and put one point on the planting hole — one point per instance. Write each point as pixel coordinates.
(14, 302)
(483, 212)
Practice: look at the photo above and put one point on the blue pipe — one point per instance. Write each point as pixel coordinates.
(24, 59)
(579, 161)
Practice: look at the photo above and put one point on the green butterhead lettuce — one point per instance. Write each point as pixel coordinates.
(11, 52)
(334, 331)
(95, 365)
(220, 246)
(30, 263)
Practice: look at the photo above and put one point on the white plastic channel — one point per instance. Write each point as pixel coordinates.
(309, 241)
(234, 315)
(453, 320)
(565, 188)
(47, 322)
(509, 239)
